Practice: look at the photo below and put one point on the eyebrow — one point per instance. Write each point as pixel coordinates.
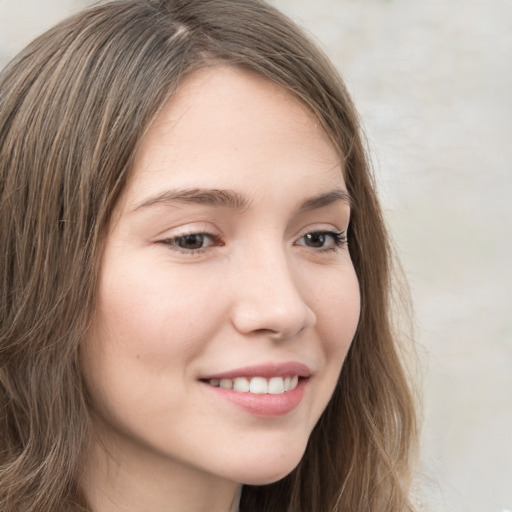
(325, 199)
(221, 198)
(206, 197)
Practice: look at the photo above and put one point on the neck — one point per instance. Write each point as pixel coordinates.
(131, 480)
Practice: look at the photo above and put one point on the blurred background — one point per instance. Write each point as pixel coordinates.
(433, 83)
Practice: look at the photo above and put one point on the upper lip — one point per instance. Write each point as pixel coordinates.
(267, 371)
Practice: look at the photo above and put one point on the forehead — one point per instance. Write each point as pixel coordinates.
(226, 127)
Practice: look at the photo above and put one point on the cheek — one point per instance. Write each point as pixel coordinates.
(155, 314)
(338, 307)
(144, 333)
(141, 346)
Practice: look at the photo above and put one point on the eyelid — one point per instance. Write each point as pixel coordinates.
(189, 228)
(192, 232)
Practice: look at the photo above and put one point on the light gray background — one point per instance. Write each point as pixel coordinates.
(433, 82)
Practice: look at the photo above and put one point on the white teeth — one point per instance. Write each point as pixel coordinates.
(276, 386)
(257, 385)
(241, 384)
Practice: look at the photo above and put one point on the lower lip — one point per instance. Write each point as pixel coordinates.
(264, 405)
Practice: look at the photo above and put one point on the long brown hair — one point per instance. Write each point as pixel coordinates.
(74, 106)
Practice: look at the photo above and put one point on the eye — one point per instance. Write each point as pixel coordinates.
(324, 240)
(192, 242)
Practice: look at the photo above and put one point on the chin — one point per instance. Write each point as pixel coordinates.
(268, 471)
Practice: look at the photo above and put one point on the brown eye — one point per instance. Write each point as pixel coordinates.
(323, 240)
(191, 242)
(315, 239)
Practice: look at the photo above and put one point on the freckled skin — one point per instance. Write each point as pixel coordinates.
(256, 293)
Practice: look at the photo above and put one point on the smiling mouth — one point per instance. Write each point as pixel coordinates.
(257, 385)
(269, 390)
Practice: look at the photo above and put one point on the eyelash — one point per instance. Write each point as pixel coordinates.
(338, 239)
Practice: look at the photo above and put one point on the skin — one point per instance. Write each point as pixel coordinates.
(255, 290)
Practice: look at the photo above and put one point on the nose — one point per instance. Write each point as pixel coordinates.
(268, 300)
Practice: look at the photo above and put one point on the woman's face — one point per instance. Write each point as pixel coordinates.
(226, 265)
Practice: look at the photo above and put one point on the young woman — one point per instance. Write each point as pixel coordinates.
(194, 289)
